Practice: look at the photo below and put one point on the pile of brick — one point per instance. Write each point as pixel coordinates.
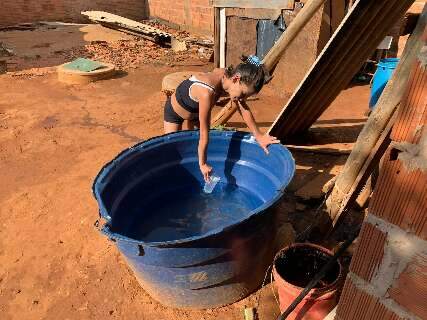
(194, 14)
(128, 54)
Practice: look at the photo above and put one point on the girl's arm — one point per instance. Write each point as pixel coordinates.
(264, 140)
(205, 105)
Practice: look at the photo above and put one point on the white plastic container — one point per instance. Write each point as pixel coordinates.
(210, 186)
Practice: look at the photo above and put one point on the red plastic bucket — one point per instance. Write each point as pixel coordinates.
(293, 269)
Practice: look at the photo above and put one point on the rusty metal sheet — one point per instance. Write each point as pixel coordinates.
(241, 38)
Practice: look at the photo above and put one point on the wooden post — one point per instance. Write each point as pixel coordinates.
(371, 162)
(225, 114)
(222, 37)
(273, 56)
(216, 37)
(377, 122)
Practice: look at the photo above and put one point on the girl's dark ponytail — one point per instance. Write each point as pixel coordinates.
(251, 71)
(229, 71)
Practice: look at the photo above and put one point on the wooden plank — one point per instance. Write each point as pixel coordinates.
(271, 14)
(222, 37)
(217, 39)
(224, 115)
(291, 68)
(306, 13)
(154, 38)
(365, 172)
(318, 149)
(271, 4)
(109, 18)
(356, 38)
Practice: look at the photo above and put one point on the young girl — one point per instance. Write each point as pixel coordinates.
(194, 99)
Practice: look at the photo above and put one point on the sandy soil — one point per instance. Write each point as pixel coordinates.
(54, 139)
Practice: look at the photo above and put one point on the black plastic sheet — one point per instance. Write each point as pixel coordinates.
(268, 32)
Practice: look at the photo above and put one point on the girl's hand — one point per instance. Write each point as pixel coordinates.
(264, 140)
(206, 172)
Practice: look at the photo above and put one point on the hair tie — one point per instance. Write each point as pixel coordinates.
(254, 60)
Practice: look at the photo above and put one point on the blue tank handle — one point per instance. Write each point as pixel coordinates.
(105, 230)
(116, 237)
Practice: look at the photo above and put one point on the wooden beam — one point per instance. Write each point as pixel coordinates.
(318, 149)
(154, 38)
(222, 37)
(300, 21)
(217, 39)
(365, 172)
(271, 4)
(270, 14)
(224, 115)
(108, 19)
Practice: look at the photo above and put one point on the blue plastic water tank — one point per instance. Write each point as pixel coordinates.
(150, 197)
(383, 74)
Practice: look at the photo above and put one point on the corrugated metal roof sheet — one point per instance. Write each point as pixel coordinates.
(359, 34)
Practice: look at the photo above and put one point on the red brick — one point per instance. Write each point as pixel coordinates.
(370, 251)
(356, 304)
(199, 13)
(412, 111)
(18, 11)
(401, 197)
(410, 289)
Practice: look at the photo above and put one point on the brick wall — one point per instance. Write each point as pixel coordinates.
(388, 273)
(194, 15)
(19, 11)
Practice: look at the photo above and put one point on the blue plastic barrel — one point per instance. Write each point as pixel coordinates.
(383, 74)
(189, 249)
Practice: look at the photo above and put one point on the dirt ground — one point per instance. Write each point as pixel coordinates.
(54, 138)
